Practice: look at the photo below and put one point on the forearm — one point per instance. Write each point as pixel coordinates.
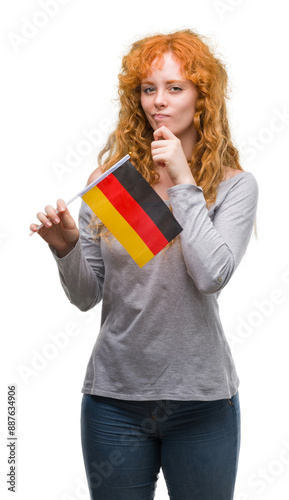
(208, 259)
(79, 281)
(213, 249)
(62, 251)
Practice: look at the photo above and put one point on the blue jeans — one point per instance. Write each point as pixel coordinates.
(125, 443)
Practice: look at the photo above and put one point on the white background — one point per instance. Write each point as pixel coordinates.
(58, 81)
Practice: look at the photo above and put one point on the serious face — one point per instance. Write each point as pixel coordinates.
(167, 98)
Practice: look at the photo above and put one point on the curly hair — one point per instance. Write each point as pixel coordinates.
(213, 151)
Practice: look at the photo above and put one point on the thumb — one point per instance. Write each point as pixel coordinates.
(67, 219)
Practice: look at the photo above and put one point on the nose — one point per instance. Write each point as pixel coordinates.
(160, 99)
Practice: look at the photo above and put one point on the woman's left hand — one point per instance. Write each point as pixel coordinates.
(167, 152)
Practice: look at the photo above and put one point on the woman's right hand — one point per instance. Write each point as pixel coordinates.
(59, 229)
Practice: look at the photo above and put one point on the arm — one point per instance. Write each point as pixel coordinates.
(81, 271)
(213, 250)
(77, 254)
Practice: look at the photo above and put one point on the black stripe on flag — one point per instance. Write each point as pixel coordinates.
(148, 199)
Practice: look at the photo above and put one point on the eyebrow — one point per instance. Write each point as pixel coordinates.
(168, 81)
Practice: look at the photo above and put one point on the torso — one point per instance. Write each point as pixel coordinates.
(164, 182)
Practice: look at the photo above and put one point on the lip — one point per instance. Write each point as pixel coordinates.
(159, 116)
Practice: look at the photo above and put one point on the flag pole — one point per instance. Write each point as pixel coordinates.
(57, 212)
(91, 185)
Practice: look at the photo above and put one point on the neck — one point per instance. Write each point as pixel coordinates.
(188, 142)
(164, 179)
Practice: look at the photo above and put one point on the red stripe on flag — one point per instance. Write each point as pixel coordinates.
(133, 213)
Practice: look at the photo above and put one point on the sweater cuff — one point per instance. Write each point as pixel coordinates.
(190, 188)
(68, 258)
(186, 195)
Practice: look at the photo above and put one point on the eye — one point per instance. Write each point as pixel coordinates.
(176, 89)
(148, 90)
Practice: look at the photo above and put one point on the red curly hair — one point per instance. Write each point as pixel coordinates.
(213, 151)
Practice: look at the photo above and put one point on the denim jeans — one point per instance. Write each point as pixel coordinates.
(125, 443)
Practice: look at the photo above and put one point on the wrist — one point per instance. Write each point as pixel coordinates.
(188, 179)
(64, 250)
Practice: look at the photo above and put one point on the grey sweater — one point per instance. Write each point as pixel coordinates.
(160, 335)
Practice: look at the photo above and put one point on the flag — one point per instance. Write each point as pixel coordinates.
(132, 211)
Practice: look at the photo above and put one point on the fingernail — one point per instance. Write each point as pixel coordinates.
(62, 209)
(48, 223)
(56, 220)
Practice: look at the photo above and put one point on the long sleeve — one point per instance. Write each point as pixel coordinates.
(212, 249)
(81, 271)
(161, 335)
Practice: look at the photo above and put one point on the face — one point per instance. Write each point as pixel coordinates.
(167, 98)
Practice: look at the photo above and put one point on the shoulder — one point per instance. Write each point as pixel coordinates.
(239, 179)
(238, 194)
(230, 172)
(242, 192)
(234, 172)
(95, 175)
(246, 180)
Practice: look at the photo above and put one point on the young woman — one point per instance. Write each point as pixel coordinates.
(161, 389)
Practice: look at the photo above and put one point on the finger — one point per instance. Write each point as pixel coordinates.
(67, 220)
(159, 160)
(52, 214)
(163, 133)
(33, 227)
(61, 206)
(159, 144)
(163, 152)
(159, 156)
(44, 219)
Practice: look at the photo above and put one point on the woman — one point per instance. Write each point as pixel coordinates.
(161, 389)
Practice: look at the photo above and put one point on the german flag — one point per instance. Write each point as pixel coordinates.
(132, 211)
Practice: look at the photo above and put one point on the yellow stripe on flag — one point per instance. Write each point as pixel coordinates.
(118, 226)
